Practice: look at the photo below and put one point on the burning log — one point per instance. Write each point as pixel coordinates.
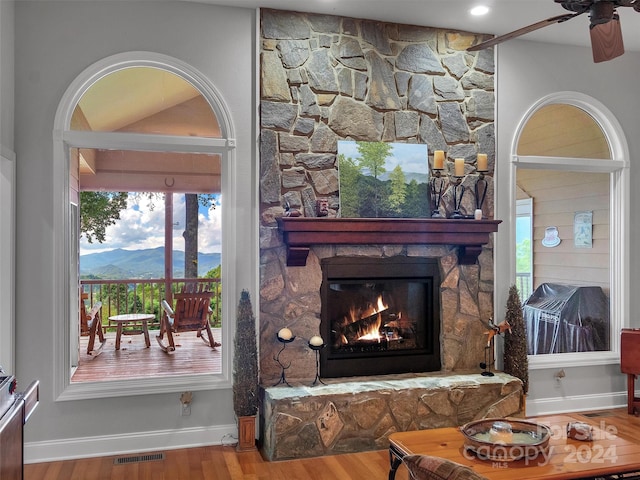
(400, 323)
(367, 327)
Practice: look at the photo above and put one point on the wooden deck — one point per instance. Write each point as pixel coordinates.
(134, 360)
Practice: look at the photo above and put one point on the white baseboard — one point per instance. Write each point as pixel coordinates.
(107, 445)
(600, 401)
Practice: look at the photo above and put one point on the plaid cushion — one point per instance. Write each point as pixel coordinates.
(425, 467)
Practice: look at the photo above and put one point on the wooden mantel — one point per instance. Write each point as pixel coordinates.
(301, 232)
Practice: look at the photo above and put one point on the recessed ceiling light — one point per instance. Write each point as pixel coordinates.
(479, 10)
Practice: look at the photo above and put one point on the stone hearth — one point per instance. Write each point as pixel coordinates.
(359, 415)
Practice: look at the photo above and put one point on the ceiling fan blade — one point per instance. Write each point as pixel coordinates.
(523, 30)
(606, 40)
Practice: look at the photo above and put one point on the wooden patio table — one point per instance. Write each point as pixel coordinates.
(124, 319)
(613, 450)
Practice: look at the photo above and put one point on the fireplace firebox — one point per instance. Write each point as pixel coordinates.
(379, 316)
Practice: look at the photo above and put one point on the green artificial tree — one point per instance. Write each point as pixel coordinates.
(516, 362)
(245, 373)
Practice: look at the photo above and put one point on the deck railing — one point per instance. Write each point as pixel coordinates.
(144, 296)
(524, 285)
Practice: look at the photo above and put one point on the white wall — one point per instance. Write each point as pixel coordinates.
(6, 73)
(55, 41)
(526, 72)
(7, 180)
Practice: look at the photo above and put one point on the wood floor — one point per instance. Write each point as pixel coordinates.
(219, 463)
(224, 463)
(134, 360)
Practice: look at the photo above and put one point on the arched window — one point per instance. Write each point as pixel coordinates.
(154, 132)
(570, 164)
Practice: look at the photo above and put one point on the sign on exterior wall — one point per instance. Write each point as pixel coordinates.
(583, 229)
(551, 237)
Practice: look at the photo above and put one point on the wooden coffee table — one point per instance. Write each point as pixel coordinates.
(126, 318)
(613, 450)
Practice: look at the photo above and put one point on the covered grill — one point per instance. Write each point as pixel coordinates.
(566, 318)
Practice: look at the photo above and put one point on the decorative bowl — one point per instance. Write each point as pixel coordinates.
(505, 440)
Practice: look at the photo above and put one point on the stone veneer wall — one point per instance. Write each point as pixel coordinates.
(327, 78)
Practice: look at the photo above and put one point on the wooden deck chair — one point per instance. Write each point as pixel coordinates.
(191, 315)
(91, 325)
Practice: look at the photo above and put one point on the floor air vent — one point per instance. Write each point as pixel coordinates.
(597, 414)
(139, 458)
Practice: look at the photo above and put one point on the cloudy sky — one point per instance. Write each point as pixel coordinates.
(142, 227)
(412, 155)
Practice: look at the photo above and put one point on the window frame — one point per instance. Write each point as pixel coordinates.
(65, 296)
(618, 169)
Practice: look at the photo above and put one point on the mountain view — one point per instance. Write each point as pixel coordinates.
(148, 263)
(419, 177)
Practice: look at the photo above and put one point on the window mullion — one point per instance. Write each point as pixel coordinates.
(146, 142)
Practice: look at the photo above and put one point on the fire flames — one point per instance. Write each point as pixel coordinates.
(368, 321)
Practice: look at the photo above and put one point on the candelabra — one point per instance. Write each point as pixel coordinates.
(284, 339)
(481, 189)
(316, 344)
(458, 192)
(437, 187)
(488, 361)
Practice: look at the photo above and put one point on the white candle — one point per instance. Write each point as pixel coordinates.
(459, 167)
(477, 214)
(501, 432)
(285, 334)
(482, 162)
(438, 160)
(316, 341)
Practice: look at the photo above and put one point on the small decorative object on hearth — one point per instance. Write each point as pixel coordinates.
(515, 341)
(284, 336)
(316, 343)
(245, 374)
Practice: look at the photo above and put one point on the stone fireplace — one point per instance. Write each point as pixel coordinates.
(323, 79)
(326, 78)
(351, 414)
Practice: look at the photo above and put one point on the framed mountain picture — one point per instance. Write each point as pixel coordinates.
(383, 180)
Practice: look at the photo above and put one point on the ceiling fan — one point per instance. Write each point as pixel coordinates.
(606, 34)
